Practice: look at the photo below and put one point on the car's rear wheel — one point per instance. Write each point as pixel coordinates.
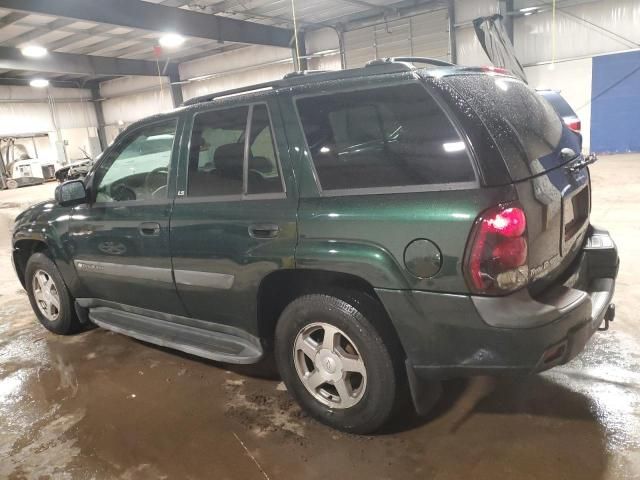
(339, 361)
(50, 299)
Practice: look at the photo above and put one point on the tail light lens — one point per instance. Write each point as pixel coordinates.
(496, 259)
(492, 69)
(574, 125)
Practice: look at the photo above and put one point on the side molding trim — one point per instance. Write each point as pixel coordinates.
(192, 278)
(122, 270)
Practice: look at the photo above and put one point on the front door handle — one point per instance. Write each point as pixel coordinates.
(264, 230)
(149, 229)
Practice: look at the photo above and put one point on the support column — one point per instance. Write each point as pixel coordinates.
(97, 103)
(302, 64)
(506, 10)
(453, 46)
(176, 88)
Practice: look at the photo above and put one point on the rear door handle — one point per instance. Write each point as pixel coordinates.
(264, 230)
(149, 229)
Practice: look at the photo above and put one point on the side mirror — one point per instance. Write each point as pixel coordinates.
(71, 193)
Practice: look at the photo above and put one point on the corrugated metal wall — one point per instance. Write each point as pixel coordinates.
(423, 35)
(467, 45)
(581, 30)
(132, 98)
(65, 114)
(28, 110)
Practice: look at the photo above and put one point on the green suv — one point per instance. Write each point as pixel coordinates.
(377, 230)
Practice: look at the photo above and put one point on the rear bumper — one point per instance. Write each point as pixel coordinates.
(447, 335)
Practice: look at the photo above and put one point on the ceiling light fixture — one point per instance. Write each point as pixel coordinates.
(33, 51)
(171, 40)
(529, 9)
(39, 82)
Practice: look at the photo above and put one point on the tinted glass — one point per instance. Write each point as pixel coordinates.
(264, 174)
(216, 152)
(523, 124)
(139, 168)
(383, 137)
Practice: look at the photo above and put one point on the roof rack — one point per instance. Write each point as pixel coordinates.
(425, 60)
(234, 91)
(303, 73)
(379, 66)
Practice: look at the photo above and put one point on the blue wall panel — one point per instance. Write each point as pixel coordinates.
(615, 103)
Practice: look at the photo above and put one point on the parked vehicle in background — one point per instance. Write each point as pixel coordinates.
(74, 170)
(378, 229)
(560, 105)
(20, 169)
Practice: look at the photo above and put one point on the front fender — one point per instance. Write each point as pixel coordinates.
(45, 229)
(368, 261)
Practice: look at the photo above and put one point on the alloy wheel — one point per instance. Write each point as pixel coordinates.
(329, 365)
(46, 295)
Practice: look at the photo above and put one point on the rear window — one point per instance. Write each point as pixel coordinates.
(522, 123)
(382, 137)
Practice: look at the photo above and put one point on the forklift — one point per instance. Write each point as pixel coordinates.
(18, 168)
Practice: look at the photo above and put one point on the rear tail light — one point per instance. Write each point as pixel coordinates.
(574, 125)
(496, 259)
(491, 69)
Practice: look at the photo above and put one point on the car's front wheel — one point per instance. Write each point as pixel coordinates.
(339, 361)
(49, 296)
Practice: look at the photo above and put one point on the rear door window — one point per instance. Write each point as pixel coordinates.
(219, 144)
(396, 136)
(216, 152)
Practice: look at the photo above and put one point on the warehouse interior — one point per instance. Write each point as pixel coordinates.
(74, 74)
(580, 51)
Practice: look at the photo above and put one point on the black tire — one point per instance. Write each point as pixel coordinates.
(66, 322)
(364, 321)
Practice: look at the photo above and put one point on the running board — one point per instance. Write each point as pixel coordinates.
(202, 342)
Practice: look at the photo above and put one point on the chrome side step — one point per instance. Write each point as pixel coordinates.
(199, 341)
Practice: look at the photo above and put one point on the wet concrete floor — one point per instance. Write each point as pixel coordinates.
(101, 405)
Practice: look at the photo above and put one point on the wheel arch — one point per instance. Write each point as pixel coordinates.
(281, 287)
(22, 251)
(25, 244)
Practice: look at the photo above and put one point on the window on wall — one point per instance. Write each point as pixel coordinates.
(382, 137)
(217, 152)
(139, 168)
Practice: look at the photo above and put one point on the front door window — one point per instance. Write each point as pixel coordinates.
(139, 168)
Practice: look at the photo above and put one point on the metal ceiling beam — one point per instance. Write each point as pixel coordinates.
(369, 6)
(37, 32)
(24, 82)
(158, 18)
(56, 62)
(401, 8)
(13, 17)
(227, 8)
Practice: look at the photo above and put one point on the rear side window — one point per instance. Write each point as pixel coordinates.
(522, 123)
(382, 137)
